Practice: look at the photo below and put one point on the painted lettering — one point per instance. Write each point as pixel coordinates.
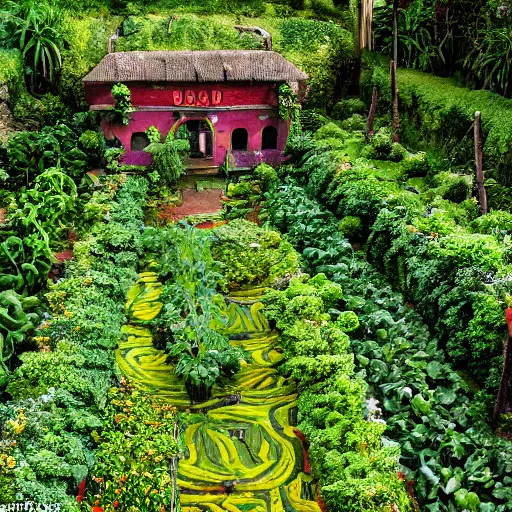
(200, 99)
(190, 98)
(216, 97)
(177, 97)
(203, 99)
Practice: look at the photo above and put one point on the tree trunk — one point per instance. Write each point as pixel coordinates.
(395, 30)
(365, 25)
(371, 114)
(482, 194)
(394, 94)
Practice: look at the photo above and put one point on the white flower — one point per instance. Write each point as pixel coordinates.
(372, 404)
(407, 391)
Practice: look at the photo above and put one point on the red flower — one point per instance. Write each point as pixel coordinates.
(116, 504)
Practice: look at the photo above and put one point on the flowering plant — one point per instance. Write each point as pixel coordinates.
(136, 449)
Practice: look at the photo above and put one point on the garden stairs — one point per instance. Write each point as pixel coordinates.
(241, 452)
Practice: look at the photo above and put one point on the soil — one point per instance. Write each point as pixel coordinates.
(195, 202)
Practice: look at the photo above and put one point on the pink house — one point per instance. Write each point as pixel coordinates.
(227, 99)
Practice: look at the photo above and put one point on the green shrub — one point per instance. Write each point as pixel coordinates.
(45, 111)
(416, 165)
(87, 38)
(312, 119)
(494, 223)
(346, 108)
(452, 187)
(330, 131)
(498, 197)
(350, 226)
(188, 32)
(12, 73)
(355, 122)
(382, 143)
(318, 48)
(440, 113)
(368, 152)
(91, 140)
(398, 152)
(268, 177)
(375, 73)
(347, 321)
(251, 255)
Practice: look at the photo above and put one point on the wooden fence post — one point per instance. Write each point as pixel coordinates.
(371, 114)
(482, 194)
(394, 94)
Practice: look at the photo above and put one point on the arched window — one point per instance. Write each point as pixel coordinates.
(239, 139)
(139, 141)
(269, 138)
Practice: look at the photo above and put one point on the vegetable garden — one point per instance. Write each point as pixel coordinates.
(342, 350)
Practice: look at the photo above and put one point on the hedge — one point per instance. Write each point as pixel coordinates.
(439, 114)
(11, 71)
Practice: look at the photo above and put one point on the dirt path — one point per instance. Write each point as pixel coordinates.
(195, 202)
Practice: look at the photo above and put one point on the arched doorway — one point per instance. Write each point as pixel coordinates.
(200, 137)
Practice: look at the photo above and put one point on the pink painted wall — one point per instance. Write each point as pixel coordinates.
(224, 121)
(161, 94)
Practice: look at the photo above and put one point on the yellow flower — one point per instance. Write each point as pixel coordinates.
(68, 313)
(11, 462)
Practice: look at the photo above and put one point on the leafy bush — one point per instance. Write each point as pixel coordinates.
(452, 187)
(35, 29)
(312, 119)
(168, 157)
(87, 38)
(251, 255)
(415, 165)
(30, 153)
(188, 32)
(122, 104)
(397, 153)
(46, 111)
(355, 122)
(268, 177)
(440, 113)
(346, 108)
(496, 222)
(303, 42)
(59, 391)
(423, 399)
(350, 226)
(330, 131)
(382, 143)
(135, 424)
(330, 400)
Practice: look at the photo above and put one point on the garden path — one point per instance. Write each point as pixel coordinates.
(241, 452)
